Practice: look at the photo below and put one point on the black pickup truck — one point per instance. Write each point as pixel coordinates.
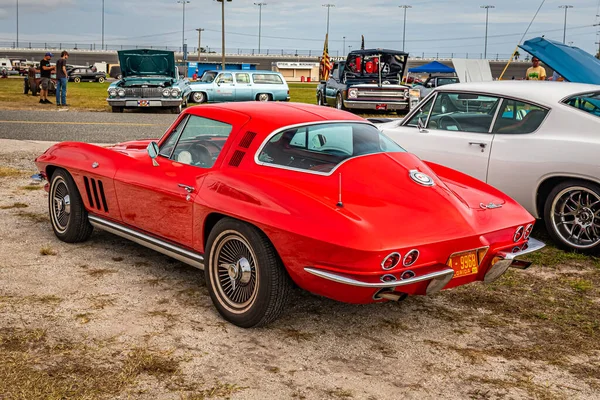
(368, 80)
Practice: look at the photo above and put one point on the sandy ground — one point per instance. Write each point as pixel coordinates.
(108, 298)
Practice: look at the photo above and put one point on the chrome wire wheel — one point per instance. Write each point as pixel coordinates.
(235, 272)
(60, 210)
(576, 217)
(264, 97)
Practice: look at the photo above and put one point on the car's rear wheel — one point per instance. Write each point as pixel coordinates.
(199, 97)
(263, 97)
(117, 109)
(67, 213)
(77, 79)
(339, 101)
(246, 279)
(572, 215)
(101, 79)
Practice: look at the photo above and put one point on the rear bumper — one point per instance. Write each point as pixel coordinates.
(437, 279)
(134, 102)
(376, 105)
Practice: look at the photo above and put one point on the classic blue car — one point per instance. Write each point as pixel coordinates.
(150, 79)
(239, 85)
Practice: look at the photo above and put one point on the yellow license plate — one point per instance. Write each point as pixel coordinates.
(464, 264)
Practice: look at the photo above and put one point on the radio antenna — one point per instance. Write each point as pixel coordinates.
(340, 204)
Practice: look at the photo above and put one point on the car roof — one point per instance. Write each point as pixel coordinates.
(243, 70)
(546, 92)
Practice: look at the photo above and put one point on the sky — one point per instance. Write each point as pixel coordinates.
(433, 26)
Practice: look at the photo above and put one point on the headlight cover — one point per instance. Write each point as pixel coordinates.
(112, 92)
(353, 93)
(121, 92)
(175, 92)
(166, 93)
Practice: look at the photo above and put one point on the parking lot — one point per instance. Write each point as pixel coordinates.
(111, 319)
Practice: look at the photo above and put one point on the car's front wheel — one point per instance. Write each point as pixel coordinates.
(199, 97)
(339, 101)
(77, 79)
(246, 279)
(572, 215)
(101, 79)
(67, 213)
(320, 101)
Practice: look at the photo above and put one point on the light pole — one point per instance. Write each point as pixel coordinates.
(405, 6)
(328, 7)
(260, 6)
(344, 37)
(487, 15)
(17, 23)
(566, 7)
(223, 32)
(102, 24)
(184, 2)
(199, 30)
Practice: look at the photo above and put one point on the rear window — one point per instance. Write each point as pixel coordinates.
(588, 102)
(320, 148)
(267, 79)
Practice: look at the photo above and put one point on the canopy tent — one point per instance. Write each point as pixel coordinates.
(434, 67)
(574, 64)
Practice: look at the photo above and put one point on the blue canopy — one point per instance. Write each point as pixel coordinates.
(434, 67)
(574, 64)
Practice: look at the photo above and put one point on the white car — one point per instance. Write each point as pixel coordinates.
(539, 142)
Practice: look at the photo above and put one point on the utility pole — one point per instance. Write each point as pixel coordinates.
(184, 2)
(344, 52)
(102, 24)
(199, 30)
(223, 32)
(328, 7)
(566, 7)
(17, 23)
(487, 19)
(260, 5)
(405, 6)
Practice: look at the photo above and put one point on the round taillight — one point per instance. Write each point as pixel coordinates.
(525, 247)
(518, 234)
(410, 258)
(528, 231)
(407, 275)
(388, 278)
(390, 261)
(516, 249)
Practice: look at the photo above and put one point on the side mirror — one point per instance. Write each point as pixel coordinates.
(319, 141)
(421, 125)
(153, 150)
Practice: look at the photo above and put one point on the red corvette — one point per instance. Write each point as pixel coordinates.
(263, 195)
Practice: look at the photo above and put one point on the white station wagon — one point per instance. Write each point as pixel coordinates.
(539, 142)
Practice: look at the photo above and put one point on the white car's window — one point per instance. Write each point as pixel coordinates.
(465, 112)
(242, 78)
(225, 78)
(423, 113)
(517, 117)
(589, 102)
(198, 141)
(321, 147)
(272, 79)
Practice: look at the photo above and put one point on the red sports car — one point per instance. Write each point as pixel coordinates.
(261, 195)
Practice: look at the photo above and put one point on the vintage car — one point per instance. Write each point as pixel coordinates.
(261, 202)
(368, 80)
(79, 74)
(150, 78)
(432, 82)
(537, 142)
(242, 85)
(31, 82)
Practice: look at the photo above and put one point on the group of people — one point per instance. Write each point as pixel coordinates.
(61, 78)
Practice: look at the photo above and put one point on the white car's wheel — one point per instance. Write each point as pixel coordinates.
(245, 277)
(572, 215)
(199, 97)
(67, 213)
(263, 97)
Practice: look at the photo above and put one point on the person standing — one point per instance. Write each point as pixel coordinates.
(45, 73)
(61, 79)
(536, 72)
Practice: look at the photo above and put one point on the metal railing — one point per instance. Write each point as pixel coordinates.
(193, 51)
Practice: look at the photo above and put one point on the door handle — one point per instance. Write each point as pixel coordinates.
(480, 144)
(189, 189)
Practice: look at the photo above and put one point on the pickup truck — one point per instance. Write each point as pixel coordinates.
(368, 80)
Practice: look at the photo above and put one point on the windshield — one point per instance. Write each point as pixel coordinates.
(369, 65)
(588, 102)
(321, 148)
(208, 77)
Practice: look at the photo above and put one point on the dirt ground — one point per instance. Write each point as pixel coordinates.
(111, 319)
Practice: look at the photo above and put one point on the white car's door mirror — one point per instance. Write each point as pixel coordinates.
(421, 125)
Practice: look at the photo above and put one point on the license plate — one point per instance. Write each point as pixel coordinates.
(381, 107)
(464, 264)
(143, 103)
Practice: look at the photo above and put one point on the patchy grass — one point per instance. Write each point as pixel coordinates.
(163, 314)
(100, 272)
(219, 391)
(34, 217)
(297, 335)
(47, 251)
(340, 393)
(9, 172)
(31, 187)
(14, 205)
(521, 380)
(155, 281)
(117, 259)
(83, 318)
(100, 302)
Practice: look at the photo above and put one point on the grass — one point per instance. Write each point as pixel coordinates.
(9, 172)
(100, 272)
(47, 251)
(35, 217)
(31, 187)
(14, 205)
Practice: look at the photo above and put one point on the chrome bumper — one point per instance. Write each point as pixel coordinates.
(372, 105)
(153, 102)
(439, 279)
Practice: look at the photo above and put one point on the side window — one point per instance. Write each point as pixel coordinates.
(517, 117)
(166, 148)
(589, 103)
(225, 78)
(465, 112)
(242, 78)
(423, 113)
(268, 79)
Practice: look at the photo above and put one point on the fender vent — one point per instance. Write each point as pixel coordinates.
(247, 139)
(236, 159)
(95, 191)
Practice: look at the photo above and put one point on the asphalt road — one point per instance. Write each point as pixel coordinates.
(91, 127)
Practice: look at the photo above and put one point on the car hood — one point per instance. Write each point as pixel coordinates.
(574, 64)
(145, 62)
